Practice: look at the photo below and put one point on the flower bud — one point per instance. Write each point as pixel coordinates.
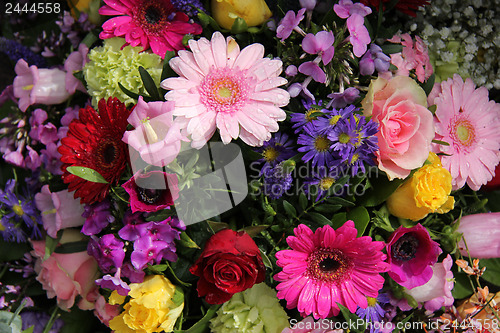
(482, 235)
(254, 12)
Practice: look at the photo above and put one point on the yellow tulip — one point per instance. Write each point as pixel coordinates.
(254, 12)
(427, 191)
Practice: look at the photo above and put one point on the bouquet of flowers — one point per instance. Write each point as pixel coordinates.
(242, 166)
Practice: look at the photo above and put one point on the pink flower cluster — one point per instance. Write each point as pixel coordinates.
(413, 57)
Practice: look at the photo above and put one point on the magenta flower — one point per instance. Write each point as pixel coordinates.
(59, 210)
(108, 251)
(157, 137)
(114, 283)
(436, 293)
(482, 234)
(39, 86)
(310, 68)
(147, 250)
(412, 254)
(134, 228)
(74, 63)
(289, 23)
(320, 44)
(148, 23)
(97, 217)
(346, 8)
(152, 191)
(359, 36)
(329, 267)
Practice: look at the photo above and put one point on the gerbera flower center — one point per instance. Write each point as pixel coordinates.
(321, 143)
(464, 132)
(153, 16)
(405, 247)
(107, 153)
(224, 90)
(149, 195)
(326, 183)
(329, 265)
(270, 154)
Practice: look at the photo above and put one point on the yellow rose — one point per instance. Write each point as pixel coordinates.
(154, 306)
(427, 191)
(254, 12)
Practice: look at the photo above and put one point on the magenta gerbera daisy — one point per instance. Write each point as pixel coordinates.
(329, 267)
(467, 120)
(148, 23)
(222, 88)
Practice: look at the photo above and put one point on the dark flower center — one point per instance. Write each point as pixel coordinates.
(108, 153)
(152, 15)
(405, 247)
(149, 195)
(329, 265)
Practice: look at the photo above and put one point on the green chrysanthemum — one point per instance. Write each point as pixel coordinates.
(109, 65)
(255, 310)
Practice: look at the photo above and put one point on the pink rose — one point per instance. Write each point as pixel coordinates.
(105, 311)
(59, 210)
(406, 126)
(66, 276)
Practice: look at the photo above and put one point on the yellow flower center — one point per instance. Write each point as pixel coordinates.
(344, 138)
(326, 183)
(354, 158)
(28, 87)
(464, 132)
(18, 210)
(371, 301)
(309, 112)
(225, 92)
(270, 154)
(334, 120)
(321, 143)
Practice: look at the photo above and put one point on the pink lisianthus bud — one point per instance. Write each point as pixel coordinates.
(39, 86)
(482, 235)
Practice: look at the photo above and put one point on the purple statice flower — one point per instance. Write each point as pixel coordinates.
(320, 44)
(16, 209)
(97, 217)
(374, 313)
(342, 99)
(289, 23)
(359, 36)
(374, 59)
(346, 8)
(302, 119)
(312, 69)
(51, 159)
(16, 51)
(276, 150)
(114, 283)
(277, 180)
(344, 137)
(45, 133)
(108, 251)
(135, 226)
(189, 7)
(316, 147)
(39, 320)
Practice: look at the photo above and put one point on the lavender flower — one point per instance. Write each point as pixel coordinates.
(278, 180)
(114, 283)
(39, 320)
(302, 119)
(45, 133)
(16, 51)
(97, 217)
(108, 251)
(189, 7)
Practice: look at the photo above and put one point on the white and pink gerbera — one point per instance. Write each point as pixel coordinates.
(467, 120)
(221, 87)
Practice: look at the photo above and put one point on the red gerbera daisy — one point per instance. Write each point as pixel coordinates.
(148, 23)
(409, 7)
(95, 141)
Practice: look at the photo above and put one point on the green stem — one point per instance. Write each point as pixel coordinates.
(51, 320)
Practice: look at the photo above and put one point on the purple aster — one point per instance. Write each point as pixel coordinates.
(374, 59)
(343, 99)
(16, 209)
(108, 251)
(374, 313)
(16, 51)
(147, 251)
(302, 119)
(322, 181)
(189, 7)
(326, 124)
(39, 320)
(344, 137)
(134, 228)
(277, 180)
(97, 217)
(276, 150)
(359, 36)
(289, 23)
(316, 146)
(320, 44)
(114, 283)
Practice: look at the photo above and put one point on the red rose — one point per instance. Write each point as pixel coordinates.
(229, 264)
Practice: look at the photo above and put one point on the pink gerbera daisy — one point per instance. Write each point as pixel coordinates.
(329, 267)
(222, 88)
(148, 23)
(467, 120)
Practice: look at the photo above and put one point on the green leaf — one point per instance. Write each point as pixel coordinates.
(29, 329)
(51, 243)
(254, 230)
(72, 247)
(429, 84)
(381, 189)
(149, 84)
(167, 70)
(391, 48)
(352, 319)
(492, 273)
(338, 220)
(129, 93)
(317, 217)
(325, 208)
(439, 142)
(202, 325)
(87, 174)
(178, 297)
(10, 322)
(289, 209)
(302, 201)
(159, 268)
(462, 287)
(217, 226)
(186, 241)
(340, 201)
(266, 260)
(361, 218)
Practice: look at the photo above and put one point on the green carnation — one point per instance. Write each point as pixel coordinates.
(255, 310)
(110, 64)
